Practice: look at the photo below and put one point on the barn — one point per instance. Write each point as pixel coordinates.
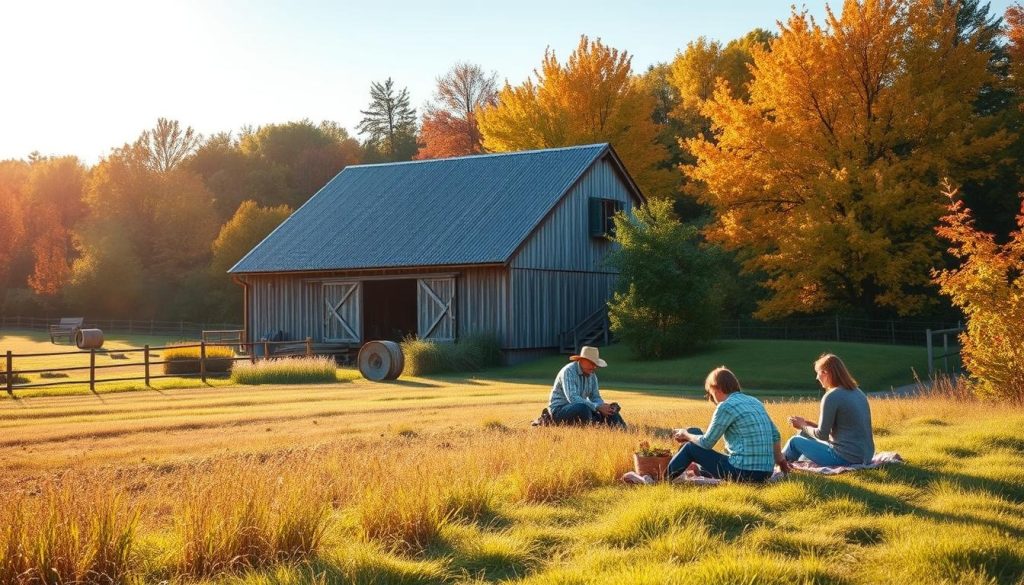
(508, 244)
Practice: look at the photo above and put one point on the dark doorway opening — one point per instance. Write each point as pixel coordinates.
(389, 309)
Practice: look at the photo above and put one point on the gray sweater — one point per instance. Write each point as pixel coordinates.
(845, 423)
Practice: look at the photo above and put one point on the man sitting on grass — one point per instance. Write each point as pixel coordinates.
(575, 398)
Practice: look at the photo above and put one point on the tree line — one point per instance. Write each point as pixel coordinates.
(809, 161)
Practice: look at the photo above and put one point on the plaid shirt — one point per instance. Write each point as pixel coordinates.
(572, 387)
(750, 436)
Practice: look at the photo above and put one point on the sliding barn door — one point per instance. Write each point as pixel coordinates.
(436, 301)
(342, 312)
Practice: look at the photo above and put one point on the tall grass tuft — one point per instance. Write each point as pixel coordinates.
(67, 536)
(470, 353)
(298, 370)
(257, 519)
(185, 360)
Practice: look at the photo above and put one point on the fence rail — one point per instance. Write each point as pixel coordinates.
(834, 328)
(264, 349)
(140, 326)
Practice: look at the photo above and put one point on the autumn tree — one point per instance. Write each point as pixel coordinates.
(449, 126)
(246, 228)
(12, 228)
(54, 196)
(249, 225)
(988, 286)
(159, 221)
(389, 123)
(1015, 46)
(292, 161)
(165, 146)
(50, 251)
(592, 98)
(826, 178)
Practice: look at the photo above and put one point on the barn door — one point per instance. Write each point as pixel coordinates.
(436, 301)
(342, 312)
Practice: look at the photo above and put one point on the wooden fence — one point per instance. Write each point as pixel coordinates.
(139, 326)
(259, 349)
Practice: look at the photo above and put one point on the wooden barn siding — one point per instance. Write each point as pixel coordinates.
(548, 302)
(293, 303)
(563, 242)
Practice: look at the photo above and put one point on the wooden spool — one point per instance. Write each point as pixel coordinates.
(380, 360)
(89, 339)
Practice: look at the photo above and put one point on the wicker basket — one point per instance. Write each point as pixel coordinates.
(652, 466)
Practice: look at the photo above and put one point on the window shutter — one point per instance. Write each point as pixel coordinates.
(596, 217)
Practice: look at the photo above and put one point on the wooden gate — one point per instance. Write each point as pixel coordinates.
(342, 312)
(436, 314)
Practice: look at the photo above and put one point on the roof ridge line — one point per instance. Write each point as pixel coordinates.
(479, 156)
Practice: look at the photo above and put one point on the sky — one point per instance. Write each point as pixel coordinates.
(81, 78)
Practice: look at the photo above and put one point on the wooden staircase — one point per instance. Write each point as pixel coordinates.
(593, 330)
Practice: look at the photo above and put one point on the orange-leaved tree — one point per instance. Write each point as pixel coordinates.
(449, 125)
(988, 287)
(826, 179)
(591, 98)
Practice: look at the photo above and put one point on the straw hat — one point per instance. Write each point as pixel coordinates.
(590, 353)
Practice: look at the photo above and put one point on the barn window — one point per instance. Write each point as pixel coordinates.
(601, 213)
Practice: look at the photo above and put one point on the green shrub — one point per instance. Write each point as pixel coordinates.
(185, 360)
(297, 370)
(667, 299)
(469, 354)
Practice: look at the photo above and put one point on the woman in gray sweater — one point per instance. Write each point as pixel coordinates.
(842, 435)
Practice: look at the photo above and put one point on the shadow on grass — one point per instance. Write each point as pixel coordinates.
(410, 383)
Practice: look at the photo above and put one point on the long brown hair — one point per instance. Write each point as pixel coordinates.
(838, 375)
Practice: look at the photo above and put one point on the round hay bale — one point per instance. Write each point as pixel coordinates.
(380, 360)
(89, 339)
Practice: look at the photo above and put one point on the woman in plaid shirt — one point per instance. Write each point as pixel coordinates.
(751, 438)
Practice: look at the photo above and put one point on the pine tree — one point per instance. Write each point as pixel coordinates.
(389, 123)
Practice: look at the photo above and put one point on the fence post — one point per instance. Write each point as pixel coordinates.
(266, 349)
(309, 346)
(202, 361)
(10, 373)
(92, 370)
(928, 344)
(145, 355)
(892, 329)
(945, 352)
(837, 326)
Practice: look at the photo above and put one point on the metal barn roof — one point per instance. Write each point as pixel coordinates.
(456, 211)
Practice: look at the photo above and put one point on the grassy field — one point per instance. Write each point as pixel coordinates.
(765, 365)
(443, 481)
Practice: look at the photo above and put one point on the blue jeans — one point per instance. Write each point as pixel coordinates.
(711, 463)
(817, 451)
(580, 414)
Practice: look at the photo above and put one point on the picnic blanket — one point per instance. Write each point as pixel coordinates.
(880, 459)
(689, 478)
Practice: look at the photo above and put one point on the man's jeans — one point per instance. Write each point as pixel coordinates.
(578, 414)
(710, 463)
(817, 451)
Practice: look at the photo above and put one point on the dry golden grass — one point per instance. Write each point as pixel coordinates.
(423, 481)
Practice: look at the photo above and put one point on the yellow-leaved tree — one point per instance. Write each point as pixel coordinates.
(592, 98)
(989, 287)
(826, 179)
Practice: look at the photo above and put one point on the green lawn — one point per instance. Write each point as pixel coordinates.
(764, 365)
